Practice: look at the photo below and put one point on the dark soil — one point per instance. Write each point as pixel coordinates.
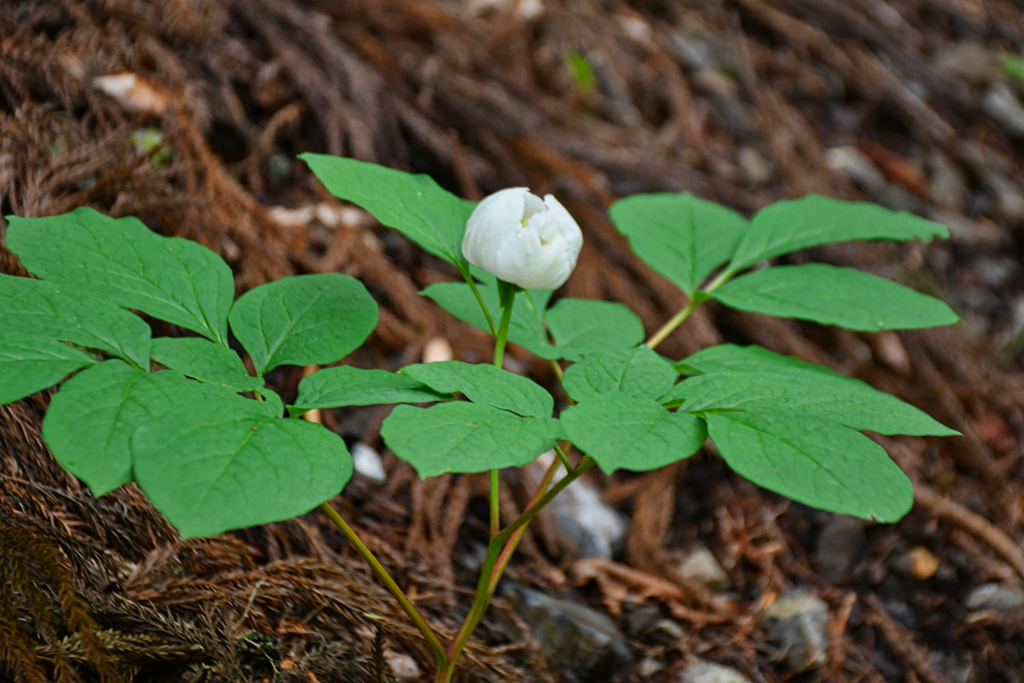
(741, 101)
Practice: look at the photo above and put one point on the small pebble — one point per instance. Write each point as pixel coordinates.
(992, 596)
(1001, 104)
(923, 563)
(701, 566)
(581, 644)
(367, 463)
(703, 671)
(796, 621)
(857, 167)
(438, 350)
(593, 527)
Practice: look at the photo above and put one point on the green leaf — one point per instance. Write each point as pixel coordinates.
(633, 372)
(726, 357)
(414, 205)
(582, 326)
(271, 404)
(485, 384)
(29, 364)
(1013, 66)
(47, 310)
(526, 327)
(205, 361)
(466, 437)
(834, 296)
(680, 236)
(798, 224)
(230, 466)
(843, 400)
(303, 320)
(348, 386)
(121, 261)
(866, 407)
(813, 461)
(93, 416)
(632, 432)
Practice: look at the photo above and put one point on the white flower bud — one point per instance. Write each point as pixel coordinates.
(515, 236)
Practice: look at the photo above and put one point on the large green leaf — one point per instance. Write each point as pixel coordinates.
(843, 400)
(526, 327)
(205, 361)
(813, 461)
(485, 384)
(582, 326)
(28, 365)
(303, 320)
(726, 357)
(634, 372)
(122, 261)
(414, 205)
(632, 432)
(230, 465)
(466, 437)
(680, 236)
(348, 386)
(48, 310)
(92, 418)
(798, 224)
(834, 296)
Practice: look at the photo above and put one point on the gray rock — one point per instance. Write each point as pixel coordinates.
(839, 548)
(978, 235)
(992, 596)
(969, 60)
(947, 184)
(756, 170)
(796, 621)
(857, 167)
(703, 671)
(591, 526)
(701, 566)
(582, 644)
(1007, 196)
(1001, 104)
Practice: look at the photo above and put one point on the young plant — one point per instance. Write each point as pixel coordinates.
(212, 459)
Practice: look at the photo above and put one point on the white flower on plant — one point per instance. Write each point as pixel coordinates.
(520, 238)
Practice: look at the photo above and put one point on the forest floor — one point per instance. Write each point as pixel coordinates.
(908, 103)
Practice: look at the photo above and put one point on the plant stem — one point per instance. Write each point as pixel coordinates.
(499, 551)
(495, 503)
(389, 583)
(564, 460)
(499, 356)
(673, 322)
(480, 300)
(499, 340)
(698, 298)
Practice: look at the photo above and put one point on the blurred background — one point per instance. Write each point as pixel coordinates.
(190, 113)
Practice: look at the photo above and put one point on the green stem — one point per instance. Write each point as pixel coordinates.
(673, 322)
(698, 298)
(499, 356)
(480, 300)
(495, 504)
(564, 460)
(389, 583)
(499, 340)
(499, 551)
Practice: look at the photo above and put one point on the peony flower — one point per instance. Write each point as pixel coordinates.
(519, 238)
